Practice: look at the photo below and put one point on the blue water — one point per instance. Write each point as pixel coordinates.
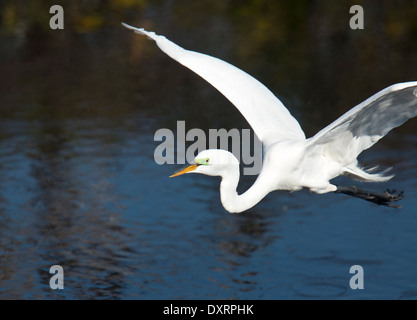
(100, 207)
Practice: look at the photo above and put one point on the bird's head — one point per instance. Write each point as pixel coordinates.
(212, 162)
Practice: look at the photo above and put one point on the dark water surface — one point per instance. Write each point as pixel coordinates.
(79, 186)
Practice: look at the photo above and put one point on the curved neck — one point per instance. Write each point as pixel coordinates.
(235, 203)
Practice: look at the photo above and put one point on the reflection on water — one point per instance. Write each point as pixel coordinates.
(80, 188)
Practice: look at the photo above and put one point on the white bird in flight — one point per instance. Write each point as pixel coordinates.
(292, 162)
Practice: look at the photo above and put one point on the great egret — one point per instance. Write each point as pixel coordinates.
(292, 162)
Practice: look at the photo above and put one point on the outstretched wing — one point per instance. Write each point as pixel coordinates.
(266, 114)
(362, 126)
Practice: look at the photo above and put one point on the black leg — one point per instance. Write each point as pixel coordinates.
(379, 198)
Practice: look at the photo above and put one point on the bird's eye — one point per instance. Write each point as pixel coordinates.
(202, 161)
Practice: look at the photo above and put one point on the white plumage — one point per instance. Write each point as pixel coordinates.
(291, 162)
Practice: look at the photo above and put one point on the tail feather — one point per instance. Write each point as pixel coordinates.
(367, 175)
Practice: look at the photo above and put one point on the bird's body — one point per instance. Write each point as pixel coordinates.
(297, 166)
(292, 162)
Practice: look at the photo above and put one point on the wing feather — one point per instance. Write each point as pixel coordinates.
(362, 126)
(266, 114)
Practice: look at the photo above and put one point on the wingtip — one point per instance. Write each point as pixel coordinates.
(403, 85)
(149, 34)
(411, 85)
(126, 25)
(137, 30)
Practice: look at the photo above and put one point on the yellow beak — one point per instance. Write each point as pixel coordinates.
(184, 170)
